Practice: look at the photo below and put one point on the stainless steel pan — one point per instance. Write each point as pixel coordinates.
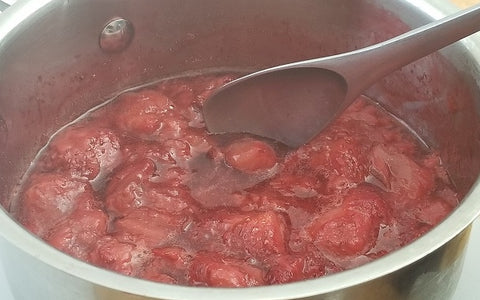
(52, 69)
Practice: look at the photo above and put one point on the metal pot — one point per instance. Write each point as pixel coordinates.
(53, 68)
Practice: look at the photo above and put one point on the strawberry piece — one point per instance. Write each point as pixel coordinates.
(77, 234)
(252, 234)
(179, 92)
(84, 151)
(401, 174)
(51, 198)
(125, 258)
(351, 228)
(433, 211)
(172, 257)
(258, 234)
(169, 265)
(140, 184)
(207, 232)
(362, 113)
(179, 151)
(286, 268)
(214, 270)
(170, 158)
(298, 184)
(125, 190)
(339, 159)
(149, 226)
(148, 113)
(141, 112)
(140, 149)
(249, 155)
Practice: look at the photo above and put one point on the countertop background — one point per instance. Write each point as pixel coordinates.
(464, 3)
(468, 286)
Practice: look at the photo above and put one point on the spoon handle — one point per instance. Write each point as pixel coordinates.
(364, 67)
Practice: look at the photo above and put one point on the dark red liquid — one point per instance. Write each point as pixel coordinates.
(139, 187)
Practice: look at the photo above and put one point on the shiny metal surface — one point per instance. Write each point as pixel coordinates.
(44, 84)
(116, 35)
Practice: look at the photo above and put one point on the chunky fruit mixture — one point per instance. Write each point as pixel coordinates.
(139, 187)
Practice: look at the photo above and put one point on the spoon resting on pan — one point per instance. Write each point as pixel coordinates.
(292, 103)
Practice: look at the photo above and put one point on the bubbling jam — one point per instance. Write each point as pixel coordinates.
(138, 186)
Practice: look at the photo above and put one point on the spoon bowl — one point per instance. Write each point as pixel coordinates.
(288, 96)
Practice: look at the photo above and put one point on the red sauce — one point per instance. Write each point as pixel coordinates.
(139, 187)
